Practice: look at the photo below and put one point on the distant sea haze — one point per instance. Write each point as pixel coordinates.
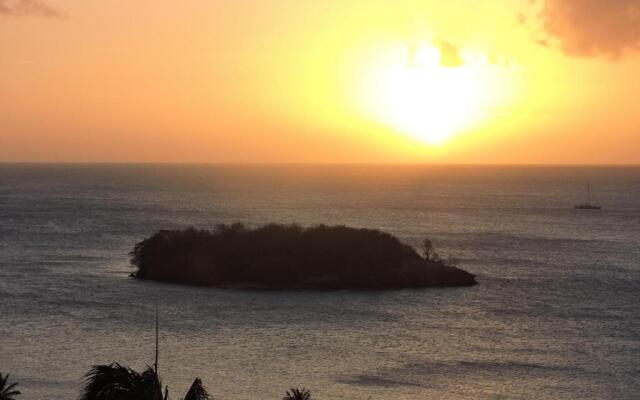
(554, 316)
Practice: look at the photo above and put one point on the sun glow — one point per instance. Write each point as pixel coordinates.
(420, 96)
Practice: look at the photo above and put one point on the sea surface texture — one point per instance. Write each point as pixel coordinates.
(555, 314)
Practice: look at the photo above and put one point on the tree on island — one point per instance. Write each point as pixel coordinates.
(428, 251)
(7, 391)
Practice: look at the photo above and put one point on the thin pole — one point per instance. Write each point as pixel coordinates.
(156, 363)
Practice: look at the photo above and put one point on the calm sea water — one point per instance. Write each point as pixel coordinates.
(555, 315)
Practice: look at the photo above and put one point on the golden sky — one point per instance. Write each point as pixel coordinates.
(402, 81)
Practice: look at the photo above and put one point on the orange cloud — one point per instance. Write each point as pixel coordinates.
(593, 27)
(22, 8)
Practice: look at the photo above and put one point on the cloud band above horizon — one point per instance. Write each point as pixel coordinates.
(23, 8)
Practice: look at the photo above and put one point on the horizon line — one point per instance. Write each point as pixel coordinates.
(295, 163)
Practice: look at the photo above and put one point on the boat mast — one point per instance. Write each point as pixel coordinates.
(588, 193)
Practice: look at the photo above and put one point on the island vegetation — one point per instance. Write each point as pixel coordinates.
(292, 257)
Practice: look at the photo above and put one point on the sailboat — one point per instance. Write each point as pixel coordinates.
(589, 205)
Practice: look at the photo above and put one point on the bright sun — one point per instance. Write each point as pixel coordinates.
(426, 100)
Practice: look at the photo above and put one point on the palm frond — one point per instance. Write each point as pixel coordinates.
(197, 391)
(7, 392)
(297, 394)
(116, 382)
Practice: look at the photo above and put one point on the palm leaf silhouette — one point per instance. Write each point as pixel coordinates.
(7, 391)
(116, 382)
(297, 394)
(197, 391)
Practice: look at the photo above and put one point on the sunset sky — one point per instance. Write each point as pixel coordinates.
(403, 81)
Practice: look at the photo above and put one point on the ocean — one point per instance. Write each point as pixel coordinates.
(554, 316)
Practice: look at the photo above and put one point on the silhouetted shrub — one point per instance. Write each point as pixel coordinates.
(297, 394)
(7, 390)
(289, 256)
(118, 382)
(428, 252)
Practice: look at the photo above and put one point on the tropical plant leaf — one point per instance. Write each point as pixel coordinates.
(116, 382)
(297, 394)
(7, 391)
(197, 391)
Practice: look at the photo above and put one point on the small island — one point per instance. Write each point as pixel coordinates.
(292, 257)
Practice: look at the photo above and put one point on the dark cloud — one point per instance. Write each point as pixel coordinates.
(449, 54)
(20, 8)
(593, 27)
